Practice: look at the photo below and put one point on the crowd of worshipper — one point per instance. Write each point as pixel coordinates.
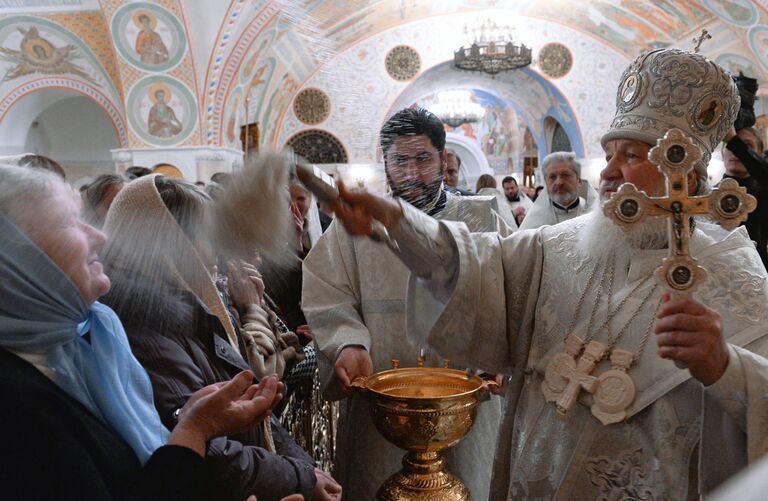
(138, 360)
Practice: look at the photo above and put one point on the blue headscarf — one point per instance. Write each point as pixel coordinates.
(41, 311)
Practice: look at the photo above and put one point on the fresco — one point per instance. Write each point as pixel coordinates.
(758, 42)
(738, 12)
(629, 25)
(499, 134)
(34, 47)
(148, 36)
(262, 47)
(234, 119)
(735, 63)
(256, 88)
(280, 99)
(161, 110)
(38, 55)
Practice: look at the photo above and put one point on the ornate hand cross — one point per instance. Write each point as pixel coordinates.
(675, 155)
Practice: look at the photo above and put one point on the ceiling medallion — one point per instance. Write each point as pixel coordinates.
(318, 147)
(555, 60)
(312, 106)
(402, 63)
(493, 50)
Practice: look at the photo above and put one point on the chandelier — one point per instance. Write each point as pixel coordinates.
(456, 107)
(493, 50)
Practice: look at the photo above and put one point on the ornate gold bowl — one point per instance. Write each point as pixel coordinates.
(423, 410)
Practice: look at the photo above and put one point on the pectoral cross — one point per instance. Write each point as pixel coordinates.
(565, 377)
(675, 155)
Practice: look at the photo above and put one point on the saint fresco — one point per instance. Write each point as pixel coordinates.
(37, 55)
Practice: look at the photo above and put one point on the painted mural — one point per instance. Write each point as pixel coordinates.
(736, 63)
(758, 42)
(268, 79)
(38, 55)
(628, 25)
(148, 37)
(161, 110)
(738, 12)
(33, 47)
(234, 119)
(499, 133)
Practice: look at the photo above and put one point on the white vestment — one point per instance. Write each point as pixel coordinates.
(502, 207)
(522, 201)
(503, 305)
(354, 294)
(544, 213)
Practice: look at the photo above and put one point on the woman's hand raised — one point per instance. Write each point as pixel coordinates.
(225, 408)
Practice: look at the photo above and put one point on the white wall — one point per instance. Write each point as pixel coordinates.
(77, 133)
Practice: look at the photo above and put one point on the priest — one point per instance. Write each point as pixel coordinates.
(354, 299)
(596, 405)
(562, 200)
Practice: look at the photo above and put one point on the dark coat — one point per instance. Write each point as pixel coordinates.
(757, 186)
(53, 447)
(182, 359)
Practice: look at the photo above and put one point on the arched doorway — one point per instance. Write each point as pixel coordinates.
(168, 170)
(65, 125)
(525, 94)
(473, 162)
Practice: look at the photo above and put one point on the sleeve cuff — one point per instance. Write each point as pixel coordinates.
(731, 381)
(362, 345)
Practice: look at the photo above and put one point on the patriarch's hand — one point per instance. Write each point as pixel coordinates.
(687, 331)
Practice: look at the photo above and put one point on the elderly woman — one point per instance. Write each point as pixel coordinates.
(77, 419)
(162, 265)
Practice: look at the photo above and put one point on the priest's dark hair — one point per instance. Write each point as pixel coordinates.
(508, 179)
(452, 153)
(413, 122)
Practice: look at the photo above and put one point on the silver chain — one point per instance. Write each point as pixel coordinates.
(575, 317)
(610, 315)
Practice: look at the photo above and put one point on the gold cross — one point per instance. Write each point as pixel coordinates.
(699, 39)
(675, 154)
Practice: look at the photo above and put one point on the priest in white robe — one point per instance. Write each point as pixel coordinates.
(517, 200)
(354, 300)
(562, 199)
(520, 305)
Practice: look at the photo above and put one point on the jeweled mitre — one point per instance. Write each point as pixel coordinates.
(667, 88)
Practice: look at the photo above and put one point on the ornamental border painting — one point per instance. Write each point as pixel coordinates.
(161, 110)
(148, 37)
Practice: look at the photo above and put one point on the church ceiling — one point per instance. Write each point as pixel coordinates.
(261, 53)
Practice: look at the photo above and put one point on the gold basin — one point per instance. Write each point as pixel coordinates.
(423, 410)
